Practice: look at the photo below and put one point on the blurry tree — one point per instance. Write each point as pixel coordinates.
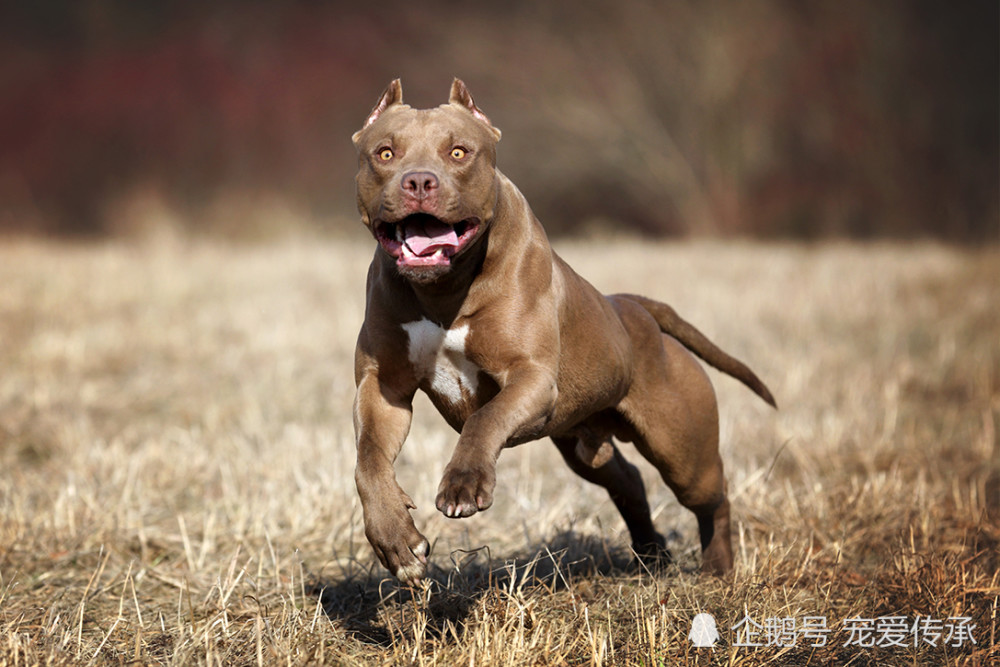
(775, 118)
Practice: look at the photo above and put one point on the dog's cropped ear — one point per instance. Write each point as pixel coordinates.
(392, 95)
(460, 95)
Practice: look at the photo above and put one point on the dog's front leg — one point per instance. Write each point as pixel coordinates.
(521, 408)
(381, 423)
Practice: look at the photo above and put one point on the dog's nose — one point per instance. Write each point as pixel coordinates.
(419, 183)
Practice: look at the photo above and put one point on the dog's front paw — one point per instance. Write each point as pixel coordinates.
(399, 546)
(413, 563)
(465, 490)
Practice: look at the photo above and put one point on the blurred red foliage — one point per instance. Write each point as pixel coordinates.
(774, 118)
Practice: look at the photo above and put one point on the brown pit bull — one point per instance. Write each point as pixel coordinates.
(467, 302)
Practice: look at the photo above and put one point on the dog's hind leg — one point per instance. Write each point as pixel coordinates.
(600, 462)
(673, 411)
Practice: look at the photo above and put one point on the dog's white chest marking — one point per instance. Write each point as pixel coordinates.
(438, 355)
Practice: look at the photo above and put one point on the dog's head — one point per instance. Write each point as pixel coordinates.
(427, 182)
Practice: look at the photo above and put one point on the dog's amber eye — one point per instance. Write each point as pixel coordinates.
(385, 154)
(458, 153)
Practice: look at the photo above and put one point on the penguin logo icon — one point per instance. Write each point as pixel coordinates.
(703, 631)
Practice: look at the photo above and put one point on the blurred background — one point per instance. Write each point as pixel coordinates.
(772, 118)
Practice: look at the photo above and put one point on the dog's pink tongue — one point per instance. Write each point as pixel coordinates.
(425, 237)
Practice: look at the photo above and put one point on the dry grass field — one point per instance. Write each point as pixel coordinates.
(176, 460)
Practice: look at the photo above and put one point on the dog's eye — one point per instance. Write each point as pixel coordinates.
(385, 154)
(458, 152)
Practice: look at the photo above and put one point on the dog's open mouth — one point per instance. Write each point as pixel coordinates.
(424, 240)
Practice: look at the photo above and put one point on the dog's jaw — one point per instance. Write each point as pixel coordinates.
(426, 261)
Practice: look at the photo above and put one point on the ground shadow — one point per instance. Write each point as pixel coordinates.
(375, 609)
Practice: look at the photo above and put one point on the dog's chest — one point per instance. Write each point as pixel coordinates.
(438, 358)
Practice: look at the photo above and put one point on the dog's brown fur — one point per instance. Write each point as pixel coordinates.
(512, 345)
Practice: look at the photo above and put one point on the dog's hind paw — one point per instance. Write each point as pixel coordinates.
(653, 557)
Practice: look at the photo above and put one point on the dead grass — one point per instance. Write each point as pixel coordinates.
(176, 464)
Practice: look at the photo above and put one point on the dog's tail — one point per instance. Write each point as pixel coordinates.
(671, 323)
